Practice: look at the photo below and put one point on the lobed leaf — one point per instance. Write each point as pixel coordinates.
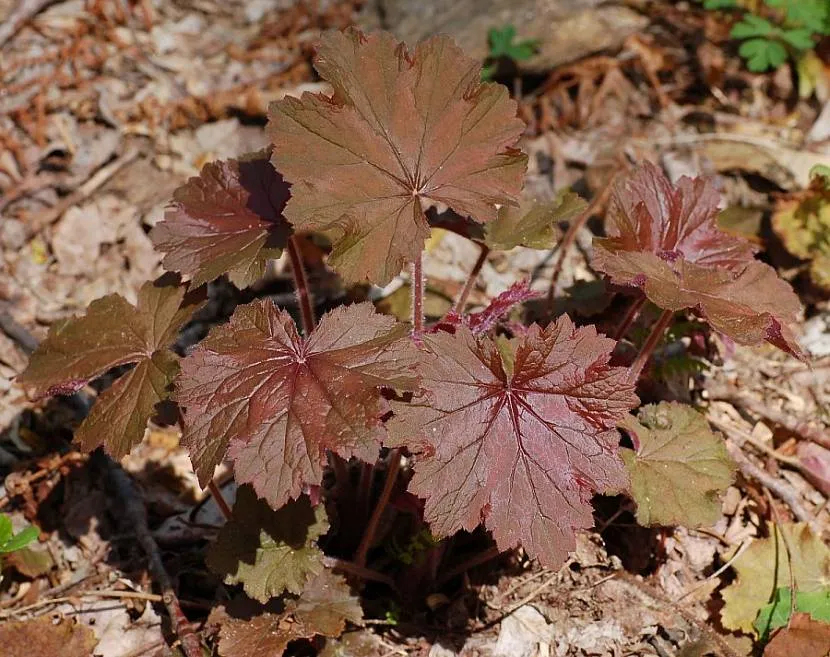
(112, 333)
(403, 131)
(533, 225)
(276, 402)
(678, 468)
(324, 607)
(268, 551)
(763, 568)
(518, 434)
(664, 240)
(227, 220)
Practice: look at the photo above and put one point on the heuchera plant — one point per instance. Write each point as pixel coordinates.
(508, 426)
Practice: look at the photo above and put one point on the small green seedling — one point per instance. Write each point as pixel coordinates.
(11, 542)
(502, 46)
(777, 613)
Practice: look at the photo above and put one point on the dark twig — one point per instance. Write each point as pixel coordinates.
(9, 326)
(25, 11)
(651, 343)
(394, 467)
(468, 564)
(220, 500)
(471, 279)
(630, 315)
(134, 517)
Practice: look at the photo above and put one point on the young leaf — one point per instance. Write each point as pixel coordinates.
(534, 225)
(483, 321)
(113, 333)
(777, 613)
(762, 54)
(664, 239)
(752, 26)
(502, 44)
(277, 402)
(269, 551)
(324, 607)
(763, 568)
(679, 467)
(521, 439)
(228, 220)
(404, 131)
(19, 540)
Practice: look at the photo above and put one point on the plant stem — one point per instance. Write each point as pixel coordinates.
(301, 286)
(391, 476)
(458, 307)
(221, 502)
(416, 284)
(629, 318)
(470, 563)
(570, 235)
(651, 343)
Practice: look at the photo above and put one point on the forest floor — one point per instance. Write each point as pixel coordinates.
(106, 106)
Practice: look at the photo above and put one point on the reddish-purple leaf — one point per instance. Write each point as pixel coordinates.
(404, 131)
(664, 239)
(227, 220)
(276, 402)
(113, 333)
(483, 321)
(519, 433)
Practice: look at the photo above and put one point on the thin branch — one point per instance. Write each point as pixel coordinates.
(301, 286)
(471, 279)
(359, 571)
(631, 315)
(388, 484)
(650, 345)
(476, 560)
(416, 284)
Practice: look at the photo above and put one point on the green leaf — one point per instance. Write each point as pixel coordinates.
(752, 26)
(19, 541)
(268, 551)
(502, 45)
(799, 38)
(720, 4)
(679, 468)
(777, 613)
(762, 54)
(821, 171)
(534, 225)
(6, 529)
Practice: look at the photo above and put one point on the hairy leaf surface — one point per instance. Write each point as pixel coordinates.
(269, 551)
(534, 225)
(276, 402)
(763, 568)
(519, 434)
(404, 131)
(227, 220)
(111, 333)
(679, 467)
(664, 239)
(484, 320)
(324, 607)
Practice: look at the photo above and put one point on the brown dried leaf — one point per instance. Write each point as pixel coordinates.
(803, 637)
(43, 637)
(404, 131)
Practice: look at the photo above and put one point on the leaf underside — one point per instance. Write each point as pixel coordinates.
(276, 402)
(520, 440)
(113, 333)
(268, 551)
(664, 239)
(679, 468)
(403, 131)
(763, 568)
(227, 220)
(534, 225)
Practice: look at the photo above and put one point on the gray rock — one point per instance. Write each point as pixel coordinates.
(566, 29)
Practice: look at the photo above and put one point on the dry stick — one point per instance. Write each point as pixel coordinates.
(220, 500)
(359, 571)
(374, 521)
(570, 236)
(135, 517)
(781, 489)
(416, 284)
(301, 286)
(629, 318)
(793, 425)
(25, 11)
(651, 343)
(471, 279)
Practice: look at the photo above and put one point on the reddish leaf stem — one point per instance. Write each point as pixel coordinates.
(630, 316)
(471, 279)
(391, 476)
(301, 286)
(220, 500)
(416, 284)
(651, 343)
(570, 235)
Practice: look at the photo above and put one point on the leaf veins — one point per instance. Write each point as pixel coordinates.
(113, 333)
(664, 239)
(276, 402)
(520, 439)
(404, 131)
(227, 220)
